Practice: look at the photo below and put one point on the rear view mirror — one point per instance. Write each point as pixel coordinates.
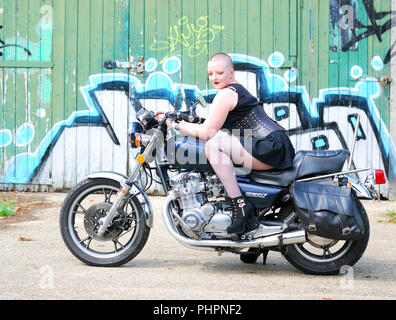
(202, 100)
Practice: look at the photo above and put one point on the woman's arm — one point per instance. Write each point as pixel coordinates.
(223, 103)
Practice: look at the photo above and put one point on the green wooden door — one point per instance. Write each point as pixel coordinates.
(26, 85)
(315, 66)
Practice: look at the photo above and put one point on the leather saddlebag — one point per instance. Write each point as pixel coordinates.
(328, 211)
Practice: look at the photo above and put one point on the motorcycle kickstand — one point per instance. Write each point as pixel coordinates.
(265, 254)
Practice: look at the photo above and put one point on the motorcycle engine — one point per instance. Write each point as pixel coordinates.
(193, 190)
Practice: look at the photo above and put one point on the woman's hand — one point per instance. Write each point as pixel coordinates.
(159, 116)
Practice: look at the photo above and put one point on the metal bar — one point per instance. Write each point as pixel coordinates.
(354, 141)
(162, 177)
(26, 64)
(185, 227)
(332, 175)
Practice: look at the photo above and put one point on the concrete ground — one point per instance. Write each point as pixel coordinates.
(35, 264)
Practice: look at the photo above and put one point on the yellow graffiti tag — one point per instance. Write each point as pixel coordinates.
(194, 37)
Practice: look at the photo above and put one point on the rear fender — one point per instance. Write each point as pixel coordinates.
(135, 190)
(360, 188)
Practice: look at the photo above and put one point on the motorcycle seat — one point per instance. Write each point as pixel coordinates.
(305, 164)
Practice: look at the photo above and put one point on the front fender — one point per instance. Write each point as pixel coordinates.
(135, 190)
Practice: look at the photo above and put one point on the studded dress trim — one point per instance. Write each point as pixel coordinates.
(259, 124)
(249, 116)
(269, 142)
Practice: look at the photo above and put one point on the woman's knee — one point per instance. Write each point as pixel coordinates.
(212, 146)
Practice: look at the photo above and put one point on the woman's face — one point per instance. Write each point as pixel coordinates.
(220, 75)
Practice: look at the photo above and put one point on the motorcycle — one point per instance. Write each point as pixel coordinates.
(106, 219)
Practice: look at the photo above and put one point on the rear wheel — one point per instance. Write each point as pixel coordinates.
(322, 256)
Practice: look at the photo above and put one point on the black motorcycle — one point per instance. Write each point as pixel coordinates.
(309, 213)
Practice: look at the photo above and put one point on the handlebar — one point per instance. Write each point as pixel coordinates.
(183, 116)
(188, 117)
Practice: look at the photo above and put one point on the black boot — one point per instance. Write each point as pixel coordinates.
(253, 222)
(242, 211)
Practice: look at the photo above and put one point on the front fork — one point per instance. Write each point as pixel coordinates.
(126, 186)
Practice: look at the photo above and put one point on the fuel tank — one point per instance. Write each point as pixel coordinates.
(188, 153)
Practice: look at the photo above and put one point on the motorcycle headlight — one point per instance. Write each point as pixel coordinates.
(146, 118)
(135, 134)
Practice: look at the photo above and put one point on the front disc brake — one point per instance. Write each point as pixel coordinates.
(91, 222)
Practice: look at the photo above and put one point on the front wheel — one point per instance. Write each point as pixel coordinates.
(322, 256)
(80, 216)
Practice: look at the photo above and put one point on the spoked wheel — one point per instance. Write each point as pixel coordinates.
(80, 219)
(322, 256)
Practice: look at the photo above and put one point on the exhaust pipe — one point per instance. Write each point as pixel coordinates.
(292, 237)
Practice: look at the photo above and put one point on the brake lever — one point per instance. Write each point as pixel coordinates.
(167, 116)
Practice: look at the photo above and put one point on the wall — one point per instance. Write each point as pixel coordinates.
(392, 164)
(315, 65)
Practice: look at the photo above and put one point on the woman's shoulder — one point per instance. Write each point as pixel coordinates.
(235, 86)
(227, 96)
(228, 90)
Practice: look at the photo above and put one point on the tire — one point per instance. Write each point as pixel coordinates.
(76, 218)
(349, 253)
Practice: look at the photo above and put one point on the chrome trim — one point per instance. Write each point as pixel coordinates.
(142, 196)
(359, 187)
(332, 175)
(292, 237)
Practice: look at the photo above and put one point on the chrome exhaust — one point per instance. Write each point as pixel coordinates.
(292, 237)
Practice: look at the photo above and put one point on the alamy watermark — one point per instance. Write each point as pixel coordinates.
(46, 277)
(347, 280)
(347, 20)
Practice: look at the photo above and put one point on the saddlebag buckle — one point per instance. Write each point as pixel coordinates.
(346, 231)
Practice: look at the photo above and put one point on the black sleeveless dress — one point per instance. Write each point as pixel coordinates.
(261, 136)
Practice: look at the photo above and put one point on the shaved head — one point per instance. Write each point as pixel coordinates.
(220, 70)
(223, 57)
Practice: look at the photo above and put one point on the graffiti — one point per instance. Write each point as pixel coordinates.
(293, 108)
(26, 110)
(4, 45)
(323, 123)
(36, 51)
(186, 35)
(352, 30)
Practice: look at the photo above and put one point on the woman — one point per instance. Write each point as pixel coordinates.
(261, 145)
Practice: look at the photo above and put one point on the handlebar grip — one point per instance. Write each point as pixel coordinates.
(188, 118)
